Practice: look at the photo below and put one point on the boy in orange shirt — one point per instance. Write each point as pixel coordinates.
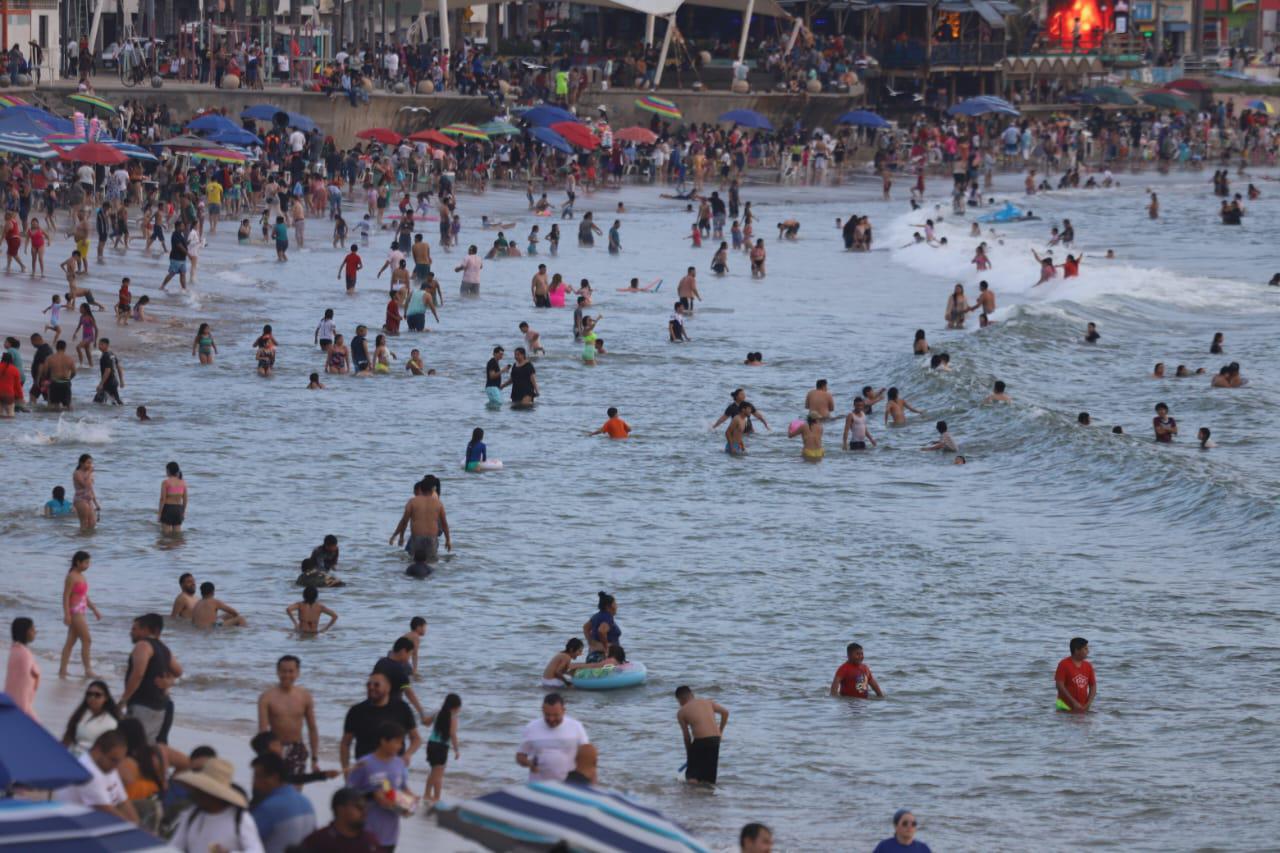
(615, 427)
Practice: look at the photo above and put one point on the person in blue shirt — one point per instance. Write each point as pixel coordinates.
(282, 239)
(59, 505)
(904, 836)
(601, 630)
(476, 451)
(283, 815)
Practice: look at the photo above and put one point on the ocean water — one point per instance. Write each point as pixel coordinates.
(745, 578)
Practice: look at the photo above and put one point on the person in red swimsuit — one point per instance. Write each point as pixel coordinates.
(12, 241)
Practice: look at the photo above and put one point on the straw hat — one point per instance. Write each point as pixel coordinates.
(215, 780)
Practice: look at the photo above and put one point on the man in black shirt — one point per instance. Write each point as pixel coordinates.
(360, 351)
(112, 376)
(396, 667)
(364, 719)
(177, 258)
(150, 671)
(493, 377)
(739, 398)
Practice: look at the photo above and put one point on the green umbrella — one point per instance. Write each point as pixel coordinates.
(1110, 95)
(1168, 101)
(499, 128)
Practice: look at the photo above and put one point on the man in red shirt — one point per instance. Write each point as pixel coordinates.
(1077, 686)
(351, 264)
(854, 677)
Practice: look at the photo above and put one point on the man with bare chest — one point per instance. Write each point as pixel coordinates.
(424, 516)
(283, 709)
(185, 603)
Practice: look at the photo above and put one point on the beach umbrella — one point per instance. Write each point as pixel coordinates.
(863, 118)
(31, 756)
(211, 122)
(577, 134)
(26, 145)
(219, 155)
(545, 114)
(1110, 95)
(466, 131)
(12, 101)
(551, 139)
(500, 128)
(46, 827)
(95, 154)
(33, 120)
(1262, 107)
(544, 814)
(92, 101)
(70, 140)
(1168, 100)
(385, 135)
(982, 105)
(186, 141)
(642, 135)
(659, 106)
(434, 137)
(272, 113)
(234, 136)
(747, 118)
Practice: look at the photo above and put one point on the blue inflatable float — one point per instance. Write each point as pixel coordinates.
(1009, 213)
(610, 677)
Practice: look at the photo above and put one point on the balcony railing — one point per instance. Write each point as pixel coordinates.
(911, 54)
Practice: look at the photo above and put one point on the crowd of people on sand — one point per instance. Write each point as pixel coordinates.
(123, 741)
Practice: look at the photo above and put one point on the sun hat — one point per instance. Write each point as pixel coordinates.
(214, 779)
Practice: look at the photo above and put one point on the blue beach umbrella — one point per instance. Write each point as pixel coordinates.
(45, 118)
(546, 114)
(26, 145)
(982, 105)
(587, 819)
(65, 828)
(211, 122)
(234, 136)
(863, 118)
(268, 112)
(550, 138)
(31, 756)
(747, 118)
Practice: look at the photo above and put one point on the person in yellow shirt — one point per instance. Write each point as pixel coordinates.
(213, 194)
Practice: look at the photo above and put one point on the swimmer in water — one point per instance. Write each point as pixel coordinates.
(734, 443)
(920, 346)
(1158, 371)
(896, 408)
(811, 435)
(559, 670)
(980, 259)
(1047, 268)
(635, 287)
(819, 402)
(945, 442)
(788, 230)
(856, 435)
(985, 303)
(1153, 208)
(305, 614)
(998, 394)
(1091, 335)
(141, 412)
(382, 356)
(754, 359)
(1203, 437)
(414, 365)
(532, 340)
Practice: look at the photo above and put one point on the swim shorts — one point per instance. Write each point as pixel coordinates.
(437, 753)
(429, 544)
(704, 760)
(60, 392)
(171, 515)
(177, 267)
(282, 245)
(857, 445)
(494, 393)
(295, 757)
(351, 282)
(421, 271)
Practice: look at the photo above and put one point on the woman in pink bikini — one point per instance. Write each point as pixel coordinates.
(37, 239)
(173, 500)
(85, 499)
(75, 601)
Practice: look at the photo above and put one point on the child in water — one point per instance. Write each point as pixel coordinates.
(476, 451)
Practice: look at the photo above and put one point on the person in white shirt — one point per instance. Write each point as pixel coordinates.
(470, 269)
(549, 746)
(104, 791)
(391, 61)
(220, 819)
(297, 141)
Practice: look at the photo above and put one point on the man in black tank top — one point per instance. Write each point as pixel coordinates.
(152, 667)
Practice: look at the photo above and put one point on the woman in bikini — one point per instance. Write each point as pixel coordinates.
(87, 329)
(204, 344)
(338, 360)
(956, 308)
(173, 500)
(75, 602)
(85, 501)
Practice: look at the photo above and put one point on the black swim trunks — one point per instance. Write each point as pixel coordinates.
(704, 760)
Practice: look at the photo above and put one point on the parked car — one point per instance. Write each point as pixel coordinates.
(111, 53)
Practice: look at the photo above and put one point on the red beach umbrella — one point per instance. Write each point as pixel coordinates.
(576, 134)
(385, 135)
(95, 154)
(435, 137)
(643, 135)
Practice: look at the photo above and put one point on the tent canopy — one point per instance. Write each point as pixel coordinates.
(660, 8)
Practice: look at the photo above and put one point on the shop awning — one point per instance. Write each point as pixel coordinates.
(988, 13)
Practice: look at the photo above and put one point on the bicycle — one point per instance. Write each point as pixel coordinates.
(133, 72)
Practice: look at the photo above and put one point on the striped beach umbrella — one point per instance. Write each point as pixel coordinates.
(12, 101)
(659, 106)
(466, 131)
(500, 128)
(48, 827)
(584, 818)
(219, 155)
(133, 152)
(1261, 106)
(26, 145)
(92, 101)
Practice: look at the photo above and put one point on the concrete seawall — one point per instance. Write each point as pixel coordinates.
(337, 117)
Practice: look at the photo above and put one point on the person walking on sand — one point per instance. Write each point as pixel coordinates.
(22, 678)
(150, 671)
(75, 603)
(444, 732)
(284, 710)
(701, 733)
